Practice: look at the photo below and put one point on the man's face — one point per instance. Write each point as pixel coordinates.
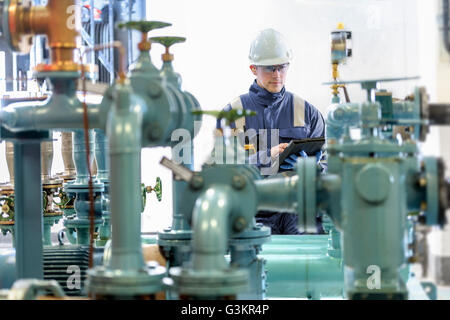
(271, 78)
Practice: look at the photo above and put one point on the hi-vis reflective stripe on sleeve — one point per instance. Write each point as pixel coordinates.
(299, 111)
(237, 104)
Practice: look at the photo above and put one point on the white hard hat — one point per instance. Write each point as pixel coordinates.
(269, 48)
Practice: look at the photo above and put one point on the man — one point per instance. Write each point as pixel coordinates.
(276, 108)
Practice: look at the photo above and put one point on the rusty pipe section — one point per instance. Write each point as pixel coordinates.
(59, 20)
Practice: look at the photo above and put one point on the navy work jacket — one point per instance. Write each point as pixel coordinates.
(285, 111)
(294, 118)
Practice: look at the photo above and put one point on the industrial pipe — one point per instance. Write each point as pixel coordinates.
(439, 113)
(63, 110)
(125, 274)
(210, 225)
(59, 20)
(66, 151)
(310, 275)
(125, 193)
(277, 194)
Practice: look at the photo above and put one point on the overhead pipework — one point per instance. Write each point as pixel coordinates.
(143, 102)
(59, 20)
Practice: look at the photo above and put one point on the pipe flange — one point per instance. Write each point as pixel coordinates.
(72, 187)
(228, 282)
(18, 40)
(436, 194)
(81, 223)
(444, 193)
(424, 113)
(306, 195)
(174, 235)
(121, 283)
(254, 236)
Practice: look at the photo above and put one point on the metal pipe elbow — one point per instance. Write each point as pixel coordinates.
(211, 217)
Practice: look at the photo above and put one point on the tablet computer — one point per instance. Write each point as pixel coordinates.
(311, 146)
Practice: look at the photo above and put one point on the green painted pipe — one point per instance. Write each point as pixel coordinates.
(125, 175)
(63, 110)
(296, 249)
(277, 194)
(299, 266)
(290, 239)
(210, 225)
(7, 268)
(311, 276)
(297, 244)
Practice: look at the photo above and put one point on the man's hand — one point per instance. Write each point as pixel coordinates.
(275, 151)
(289, 162)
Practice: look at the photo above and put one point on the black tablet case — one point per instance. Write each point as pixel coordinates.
(311, 146)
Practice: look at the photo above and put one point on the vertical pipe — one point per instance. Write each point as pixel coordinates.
(129, 36)
(67, 154)
(247, 257)
(9, 72)
(179, 221)
(92, 31)
(46, 160)
(125, 189)
(101, 155)
(210, 224)
(102, 159)
(111, 38)
(126, 249)
(79, 155)
(28, 210)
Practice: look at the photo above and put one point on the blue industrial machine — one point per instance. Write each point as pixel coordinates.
(377, 188)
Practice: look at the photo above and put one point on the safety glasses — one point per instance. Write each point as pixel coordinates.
(282, 68)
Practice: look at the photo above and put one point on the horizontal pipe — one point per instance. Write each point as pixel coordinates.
(277, 194)
(58, 113)
(439, 113)
(307, 248)
(297, 239)
(311, 276)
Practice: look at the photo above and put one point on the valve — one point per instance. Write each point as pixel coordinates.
(167, 42)
(157, 189)
(145, 27)
(7, 208)
(64, 199)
